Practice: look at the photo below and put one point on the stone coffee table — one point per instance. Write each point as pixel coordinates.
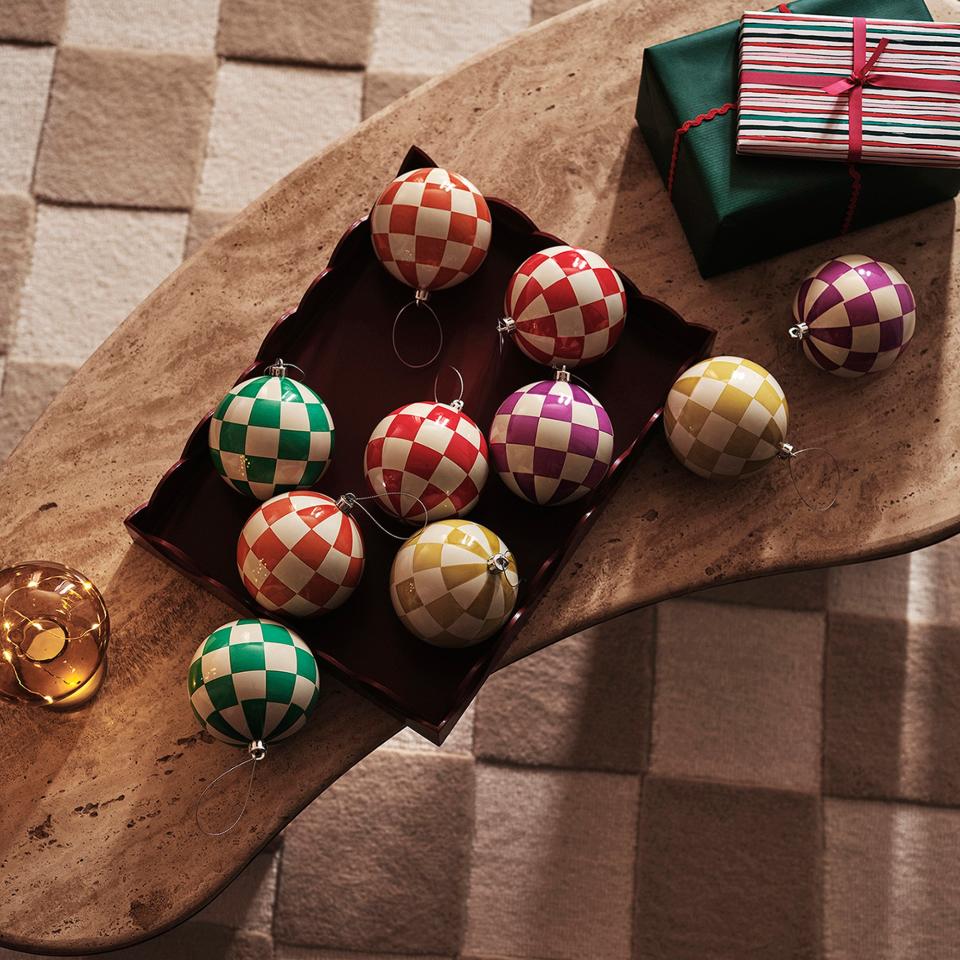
(98, 846)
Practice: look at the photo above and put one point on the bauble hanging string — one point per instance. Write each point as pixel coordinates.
(431, 230)
(251, 683)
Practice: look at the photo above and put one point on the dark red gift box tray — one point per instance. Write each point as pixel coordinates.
(340, 335)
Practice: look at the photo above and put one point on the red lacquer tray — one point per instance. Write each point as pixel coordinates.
(340, 336)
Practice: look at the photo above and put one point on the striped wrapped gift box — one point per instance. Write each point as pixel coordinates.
(815, 86)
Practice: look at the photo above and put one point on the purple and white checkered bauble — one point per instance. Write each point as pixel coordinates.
(854, 315)
(551, 442)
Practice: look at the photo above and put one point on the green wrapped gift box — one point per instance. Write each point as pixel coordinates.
(740, 209)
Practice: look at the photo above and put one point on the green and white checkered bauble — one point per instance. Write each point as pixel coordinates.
(270, 435)
(253, 680)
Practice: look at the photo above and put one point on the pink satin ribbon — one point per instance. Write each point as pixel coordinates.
(863, 75)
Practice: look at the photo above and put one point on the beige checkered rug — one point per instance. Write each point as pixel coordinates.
(768, 771)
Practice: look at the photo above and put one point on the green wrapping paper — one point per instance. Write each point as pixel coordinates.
(735, 209)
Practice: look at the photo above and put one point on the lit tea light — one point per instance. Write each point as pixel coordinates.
(53, 635)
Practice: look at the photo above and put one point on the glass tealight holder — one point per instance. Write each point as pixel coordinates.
(54, 630)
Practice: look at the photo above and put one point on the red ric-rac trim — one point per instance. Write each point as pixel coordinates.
(855, 184)
(682, 129)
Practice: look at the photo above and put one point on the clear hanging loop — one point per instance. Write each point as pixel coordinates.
(787, 452)
(257, 752)
(419, 300)
(348, 501)
(456, 404)
(279, 368)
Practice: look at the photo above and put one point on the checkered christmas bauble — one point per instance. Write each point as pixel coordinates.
(429, 451)
(299, 553)
(271, 434)
(431, 228)
(725, 417)
(567, 306)
(253, 680)
(454, 583)
(859, 315)
(551, 442)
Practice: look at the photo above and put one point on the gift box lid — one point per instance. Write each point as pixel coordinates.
(735, 209)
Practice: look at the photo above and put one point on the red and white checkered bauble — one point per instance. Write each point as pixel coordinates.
(551, 442)
(431, 228)
(299, 553)
(855, 315)
(428, 451)
(567, 306)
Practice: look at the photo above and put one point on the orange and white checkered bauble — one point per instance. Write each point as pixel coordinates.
(300, 554)
(725, 417)
(431, 228)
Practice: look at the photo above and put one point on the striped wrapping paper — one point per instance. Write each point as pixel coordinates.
(913, 127)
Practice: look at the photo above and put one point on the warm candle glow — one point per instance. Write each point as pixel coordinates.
(54, 636)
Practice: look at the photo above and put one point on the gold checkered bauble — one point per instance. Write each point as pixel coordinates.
(454, 583)
(725, 417)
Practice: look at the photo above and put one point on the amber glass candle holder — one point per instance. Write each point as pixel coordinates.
(54, 631)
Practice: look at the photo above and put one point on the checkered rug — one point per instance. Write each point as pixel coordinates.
(767, 771)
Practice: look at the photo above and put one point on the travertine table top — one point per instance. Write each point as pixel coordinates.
(98, 845)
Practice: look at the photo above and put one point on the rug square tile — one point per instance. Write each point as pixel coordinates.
(90, 268)
(727, 872)
(581, 703)
(175, 26)
(125, 128)
(16, 244)
(266, 121)
(433, 36)
(24, 87)
(36, 21)
(890, 875)
(351, 879)
(328, 32)
(879, 588)
(934, 584)
(738, 694)
(891, 712)
(549, 877)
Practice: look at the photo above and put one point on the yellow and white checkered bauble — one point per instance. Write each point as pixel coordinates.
(725, 417)
(454, 583)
